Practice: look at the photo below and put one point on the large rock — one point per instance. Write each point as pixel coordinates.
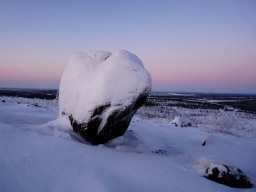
(101, 91)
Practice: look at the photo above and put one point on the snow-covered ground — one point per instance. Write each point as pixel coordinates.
(228, 121)
(40, 153)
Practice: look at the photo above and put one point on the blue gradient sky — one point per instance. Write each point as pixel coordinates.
(205, 46)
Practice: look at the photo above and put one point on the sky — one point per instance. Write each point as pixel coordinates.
(187, 46)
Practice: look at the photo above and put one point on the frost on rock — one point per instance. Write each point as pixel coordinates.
(101, 91)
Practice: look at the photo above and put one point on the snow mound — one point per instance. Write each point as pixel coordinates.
(98, 86)
(212, 140)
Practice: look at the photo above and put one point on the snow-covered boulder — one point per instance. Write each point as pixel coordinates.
(180, 122)
(101, 91)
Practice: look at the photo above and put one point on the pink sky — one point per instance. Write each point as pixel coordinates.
(205, 46)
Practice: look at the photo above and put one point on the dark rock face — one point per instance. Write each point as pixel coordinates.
(116, 124)
(231, 176)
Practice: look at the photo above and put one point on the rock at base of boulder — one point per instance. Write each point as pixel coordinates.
(227, 175)
(115, 126)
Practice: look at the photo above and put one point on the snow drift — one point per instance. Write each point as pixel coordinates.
(101, 91)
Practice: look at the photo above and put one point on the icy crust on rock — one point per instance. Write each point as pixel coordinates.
(101, 78)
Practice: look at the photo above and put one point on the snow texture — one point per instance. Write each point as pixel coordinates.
(202, 165)
(100, 78)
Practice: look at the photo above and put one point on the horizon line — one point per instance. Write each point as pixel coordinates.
(155, 91)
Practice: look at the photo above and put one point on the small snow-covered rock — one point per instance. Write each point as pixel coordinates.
(180, 122)
(101, 91)
(228, 175)
(224, 174)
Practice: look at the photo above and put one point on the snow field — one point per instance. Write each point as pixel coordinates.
(39, 153)
(224, 121)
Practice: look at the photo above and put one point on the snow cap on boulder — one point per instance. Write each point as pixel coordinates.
(100, 92)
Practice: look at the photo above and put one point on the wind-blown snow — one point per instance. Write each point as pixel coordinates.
(39, 153)
(100, 78)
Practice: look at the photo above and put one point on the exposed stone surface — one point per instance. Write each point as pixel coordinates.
(115, 126)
